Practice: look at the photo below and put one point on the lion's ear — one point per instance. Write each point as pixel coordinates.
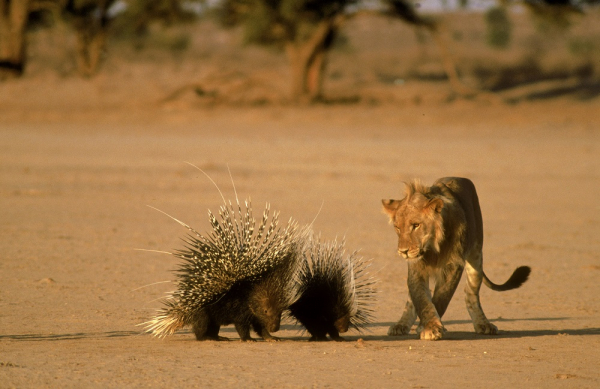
(436, 205)
(390, 207)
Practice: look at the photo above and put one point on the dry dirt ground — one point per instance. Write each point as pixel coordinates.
(80, 160)
(74, 192)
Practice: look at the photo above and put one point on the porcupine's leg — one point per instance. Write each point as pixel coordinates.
(335, 335)
(205, 328)
(243, 329)
(264, 333)
(318, 333)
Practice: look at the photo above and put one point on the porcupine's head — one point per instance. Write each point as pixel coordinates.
(235, 251)
(338, 282)
(274, 293)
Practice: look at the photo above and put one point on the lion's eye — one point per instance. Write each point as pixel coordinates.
(416, 225)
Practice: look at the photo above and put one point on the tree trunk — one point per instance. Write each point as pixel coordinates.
(405, 11)
(13, 20)
(90, 46)
(449, 65)
(297, 70)
(314, 75)
(308, 59)
(304, 72)
(91, 23)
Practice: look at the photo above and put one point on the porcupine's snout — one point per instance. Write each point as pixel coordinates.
(272, 320)
(274, 326)
(342, 323)
(267, 314)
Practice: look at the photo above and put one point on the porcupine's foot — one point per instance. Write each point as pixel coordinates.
(265, 334)
(213, 338)
(268, 337)
(243, 331)
(206, 328)
(321, 338)
(338, 338)
(247, 340)
(272, 339)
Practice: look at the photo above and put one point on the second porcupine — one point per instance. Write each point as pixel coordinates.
(236, 275)
(334, 291)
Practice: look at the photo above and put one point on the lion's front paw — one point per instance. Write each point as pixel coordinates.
(431, 331)
(485, 328)
(398, 329)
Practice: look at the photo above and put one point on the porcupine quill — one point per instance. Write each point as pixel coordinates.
(334, 290)
(235, 274)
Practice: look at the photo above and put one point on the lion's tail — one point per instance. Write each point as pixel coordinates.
(519, 276)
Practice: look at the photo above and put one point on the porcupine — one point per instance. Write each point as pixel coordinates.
(334, 290)
(233, 276)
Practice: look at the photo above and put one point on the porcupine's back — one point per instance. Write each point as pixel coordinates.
(223, 265)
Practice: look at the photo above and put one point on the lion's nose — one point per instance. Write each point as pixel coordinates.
(403, 252)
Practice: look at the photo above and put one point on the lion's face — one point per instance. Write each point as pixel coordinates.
(418, 223)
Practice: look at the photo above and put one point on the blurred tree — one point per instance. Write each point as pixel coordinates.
(138, 15)
(13, 21)
(404, 10)
(15, 17)
(305, 28)
(554, 14)
(90, 21)
(498, 27)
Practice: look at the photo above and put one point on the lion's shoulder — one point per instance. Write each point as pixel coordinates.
(462, 194)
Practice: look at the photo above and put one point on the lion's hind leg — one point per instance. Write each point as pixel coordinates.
(403, 326)
(480, 322)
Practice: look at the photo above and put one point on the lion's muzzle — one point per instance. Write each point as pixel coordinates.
(410, 253)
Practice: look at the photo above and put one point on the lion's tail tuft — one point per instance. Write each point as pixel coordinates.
(518, 278)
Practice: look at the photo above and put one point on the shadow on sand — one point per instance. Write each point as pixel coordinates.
(469, 335)
(450, 335)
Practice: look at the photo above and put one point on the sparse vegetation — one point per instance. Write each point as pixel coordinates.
(442, 50)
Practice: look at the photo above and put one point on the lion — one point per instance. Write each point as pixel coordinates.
(440, 233)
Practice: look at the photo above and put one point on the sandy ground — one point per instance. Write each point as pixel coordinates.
(74, 193)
